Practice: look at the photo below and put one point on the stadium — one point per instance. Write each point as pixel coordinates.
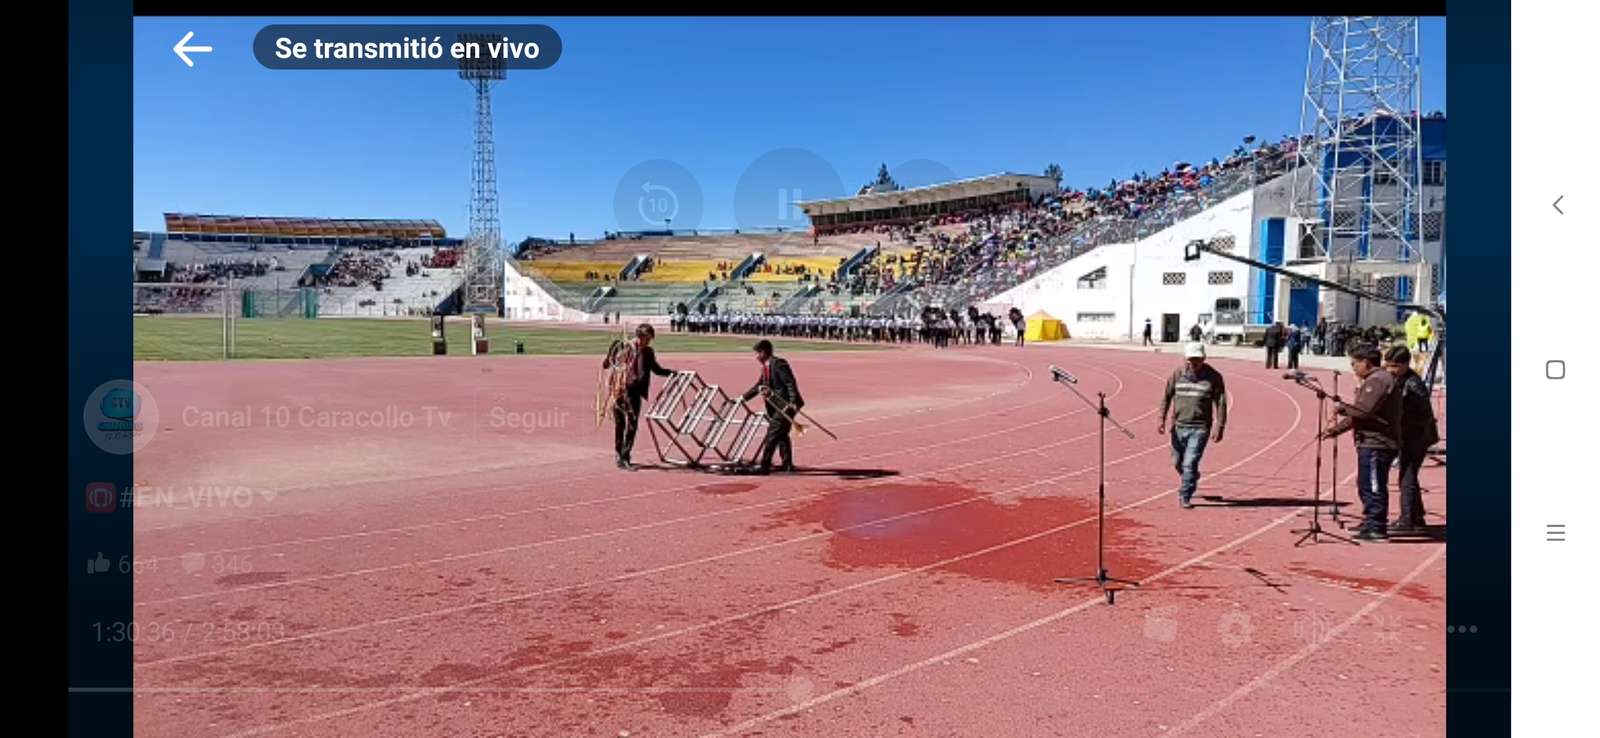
(383, 499)
(1051, 251)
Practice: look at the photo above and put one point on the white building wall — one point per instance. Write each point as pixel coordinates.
(1135, 291)
(1056, 292)
(526, 300)
(1135, 287)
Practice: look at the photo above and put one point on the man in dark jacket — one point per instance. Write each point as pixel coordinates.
(1274, 343)
(625, 413)
(783, 401)
(1295, 344)
(1418, 432)
(1374, 416)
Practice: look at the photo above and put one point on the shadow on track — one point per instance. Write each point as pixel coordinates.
(1215, 501)
(1428, 534)
(846, 474)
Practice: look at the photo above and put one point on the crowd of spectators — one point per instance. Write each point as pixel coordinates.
(441, 259)
(222, 270)
(360, 268)
(215, 271)
(178, 299)
(1008, 244)
(870, 277)
(1013, 245)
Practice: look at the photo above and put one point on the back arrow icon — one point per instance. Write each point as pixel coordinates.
(180, 48)
(1557, 205)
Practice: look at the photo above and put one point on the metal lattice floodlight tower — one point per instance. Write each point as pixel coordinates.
(1357, 185)
(484, 262)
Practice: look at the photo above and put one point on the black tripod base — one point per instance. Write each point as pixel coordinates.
(1315, 533)
(1103, 579)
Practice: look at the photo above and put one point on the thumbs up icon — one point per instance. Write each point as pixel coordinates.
(99, 564)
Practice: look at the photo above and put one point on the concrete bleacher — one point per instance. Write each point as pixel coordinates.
(681, 270)
(715, 247)
(401, 295)
(569, 271)
(683, 264)
(277, 291)
(178, 254)
(648, 298)
(292, 262)
(772, 270)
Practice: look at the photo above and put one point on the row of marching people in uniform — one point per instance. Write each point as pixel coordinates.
(944, 327)
(828, 327)
(934, 326)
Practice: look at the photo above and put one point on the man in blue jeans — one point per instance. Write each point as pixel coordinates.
(1374, 417)
(1195, 392)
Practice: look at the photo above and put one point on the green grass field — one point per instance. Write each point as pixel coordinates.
(200, 339)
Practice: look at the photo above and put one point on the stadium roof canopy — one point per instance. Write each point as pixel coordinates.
(961, 189)
(292, 226)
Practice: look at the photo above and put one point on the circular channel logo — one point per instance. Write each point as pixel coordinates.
(121, 416)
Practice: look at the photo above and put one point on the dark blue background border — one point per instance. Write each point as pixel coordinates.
(100, 339)
(99, 349)
(1478, 565)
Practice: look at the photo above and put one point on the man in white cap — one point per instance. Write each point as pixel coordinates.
(1195, 392)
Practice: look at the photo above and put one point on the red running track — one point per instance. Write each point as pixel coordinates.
(380, 547)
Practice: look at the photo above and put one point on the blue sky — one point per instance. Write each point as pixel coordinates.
(929, 97)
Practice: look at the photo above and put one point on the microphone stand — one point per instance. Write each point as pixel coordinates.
(1333, 481)
(1102, 577)
(1314, 532)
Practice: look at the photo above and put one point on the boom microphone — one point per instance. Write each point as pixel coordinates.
(1061, 375)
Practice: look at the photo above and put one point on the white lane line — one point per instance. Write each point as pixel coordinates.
(863, 685)
(457, 474)
(643, 526)
(1299, 415)
(868, 683)
(656, 570)
(568, 481)
(1308, 650)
